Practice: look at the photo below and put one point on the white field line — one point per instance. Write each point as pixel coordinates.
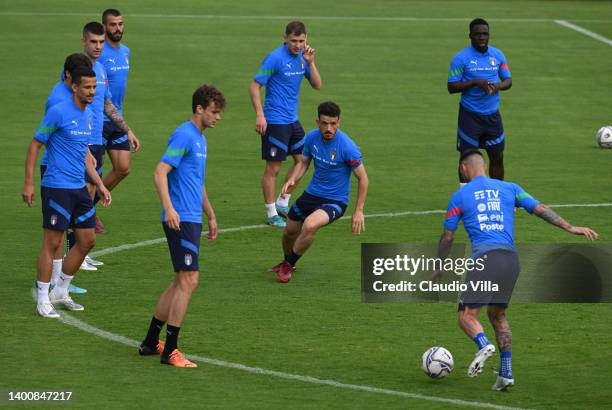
(306, 18)
(72, 321)
(584, 31)
(128, 246)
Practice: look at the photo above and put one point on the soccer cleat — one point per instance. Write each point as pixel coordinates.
(283, 211)
(502, 383)
(93, 262)
(46, 310)
(275, 268)
(145, 350)
(177, 359)
(276, 221)
(65, 301)
(284, 272)
(87, 266)
(99, 229)
(74, 289)
(478, 363)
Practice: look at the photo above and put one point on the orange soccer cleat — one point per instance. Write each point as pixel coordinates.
(177, 359)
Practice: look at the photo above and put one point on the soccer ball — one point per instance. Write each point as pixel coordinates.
(437, 362)
(604, 137)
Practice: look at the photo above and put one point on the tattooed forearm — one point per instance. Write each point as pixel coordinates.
(115, 116)
(551, 216)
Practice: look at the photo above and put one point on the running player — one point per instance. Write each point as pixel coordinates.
(479, 72)
(335, 157)
(65, 131)
(486, 207)
(281, 72)
(179, 179)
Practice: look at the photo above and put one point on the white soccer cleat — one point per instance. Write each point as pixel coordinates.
(65, 301)
(93, 262)
(87, 266)
(478, 363)
(46, 310)
(502, 383)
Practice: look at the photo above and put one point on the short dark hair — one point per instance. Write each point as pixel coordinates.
(93, 27)
(76, 60)
(329, 109)
(468, 153)
(205, 95)
(478, 22)
(296, 28)
(110, 12)
(81, 72)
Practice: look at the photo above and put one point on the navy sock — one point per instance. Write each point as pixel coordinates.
(481, 340)
(172, 333)
(153, 334)
(505, 366)
(292, 258)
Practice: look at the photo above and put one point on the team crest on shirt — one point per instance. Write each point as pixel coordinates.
(188, 259)
(273, 151)
(53, 220)
(333, 155)
(493, 61)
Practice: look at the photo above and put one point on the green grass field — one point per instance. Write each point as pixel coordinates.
(388, 73)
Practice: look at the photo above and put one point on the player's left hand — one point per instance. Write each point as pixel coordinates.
(105, 196)
(309, 54)
(213, 231)
(492, 88)
(134, 142)
(358, 222)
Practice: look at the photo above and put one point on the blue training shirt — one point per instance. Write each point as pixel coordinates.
(470, 64)
(97, 106)
(65, 130)
(282, 72)
(333, 163)
(60, 92)
(486, 207)
(116, 62)
(186, 153)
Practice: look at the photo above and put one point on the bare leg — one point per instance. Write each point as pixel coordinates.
(503, 333)
(290, 234)
(268, 181)
(185, 283)
(496, 164)
(85, 241)
(121, 161)
(52, 241)
(468, 321)
(311, 225)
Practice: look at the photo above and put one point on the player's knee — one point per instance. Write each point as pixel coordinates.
(273, 168)
(188, 281)
(53, 244)
(123, 172)
(86, 244)
(496, 158)
(309, 227)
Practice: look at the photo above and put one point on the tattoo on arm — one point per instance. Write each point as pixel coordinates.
(113, 113)
(551, 216)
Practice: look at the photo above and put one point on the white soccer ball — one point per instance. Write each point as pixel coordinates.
(604, 137)
(437, 362)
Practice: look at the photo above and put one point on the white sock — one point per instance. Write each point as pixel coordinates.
(42, 290)
(283, 200)
(271, 209)
(57, 269)
(61, 288)
(462, 184)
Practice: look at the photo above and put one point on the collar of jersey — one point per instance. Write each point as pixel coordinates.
(474, 50)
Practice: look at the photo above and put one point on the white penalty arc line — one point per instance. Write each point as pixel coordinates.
(128, 246)
(306, 18)
(72, 321)
(584, 31)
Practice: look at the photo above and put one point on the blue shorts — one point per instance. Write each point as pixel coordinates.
(115, 137)
(501, 268)
(184, 246)
(64, 208)
(98, 153)
(306, 204)
(281, 140)
(43, 169)
(479, 131)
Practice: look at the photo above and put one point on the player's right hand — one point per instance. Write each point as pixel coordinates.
(288, 187)
(588, 233)
(173, 220)
(482, 84)
(260, 125)
(105, 196)
(28, 194)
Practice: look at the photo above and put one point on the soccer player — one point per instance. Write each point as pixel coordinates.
(335, 157)
(179, 179)
(479, 72)
(486, 207)
(62, 91)
(115, 58)
(277, 122)
(65, 131)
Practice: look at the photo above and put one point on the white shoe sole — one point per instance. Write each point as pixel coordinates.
(478, 363)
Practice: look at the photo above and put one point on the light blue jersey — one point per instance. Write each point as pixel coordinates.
(97, 106)
(116, 62)
(61, 92)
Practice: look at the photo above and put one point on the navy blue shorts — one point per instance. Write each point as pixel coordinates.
(98, 153)
(479, 131)
(184, 246)
(63, 208)
(281, 140)
(501, 268)
(115, 138)
(43, 169)
(306, 204)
